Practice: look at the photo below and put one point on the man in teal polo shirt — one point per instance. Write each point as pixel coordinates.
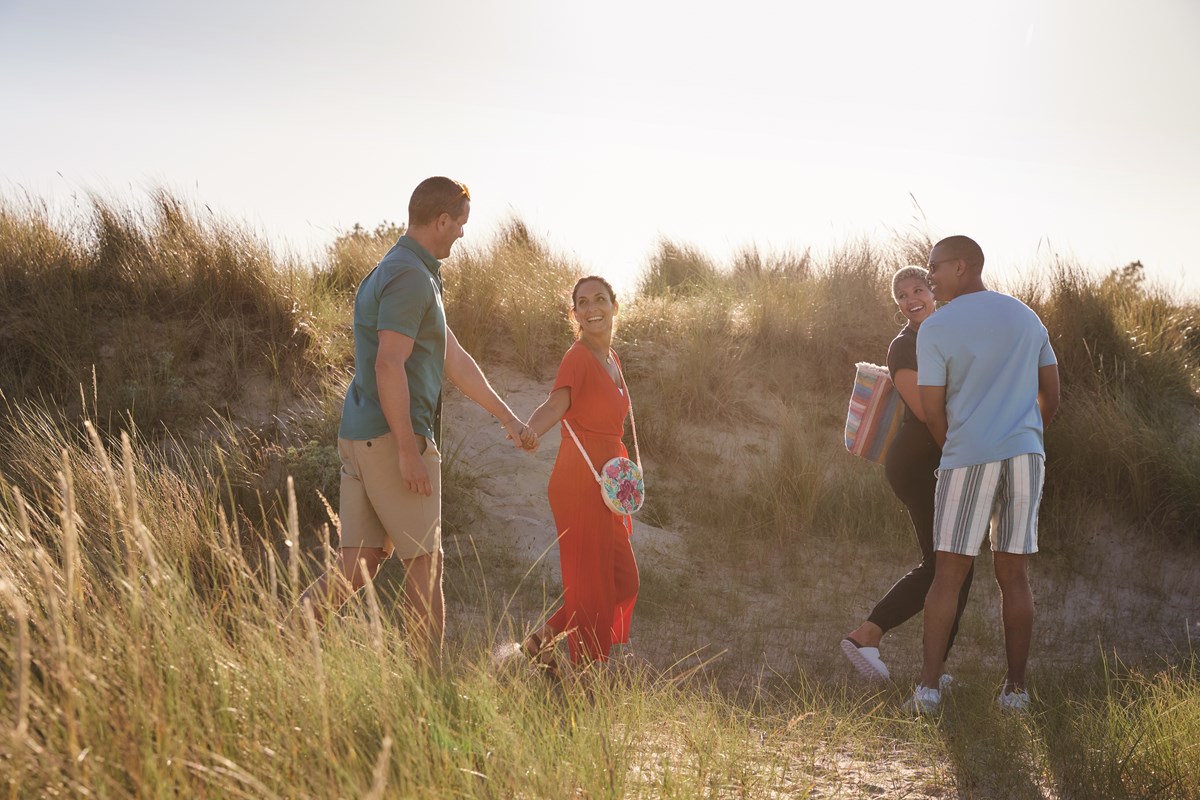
(389, 438)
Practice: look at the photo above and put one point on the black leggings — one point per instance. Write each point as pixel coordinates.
(910, 471)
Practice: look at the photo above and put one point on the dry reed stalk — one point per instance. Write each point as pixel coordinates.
(146, 543)
(132, 519)
(230, 777)
(375, 618)
(230, 550)
(225, 546)
(333, 516)
(138, 537)
(22, 516)
(293, 541)
(223, 529)
(70, 534)
(314, 638)
(326, 549)
(63, 668)
(22, 671)
(115, 505)
(272, 573)
(379, 776)
(326, 541)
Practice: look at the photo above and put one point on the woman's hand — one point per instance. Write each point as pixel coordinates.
(529, 439)
(521, 435)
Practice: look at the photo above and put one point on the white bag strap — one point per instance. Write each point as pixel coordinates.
(632, 424)
(583, 452)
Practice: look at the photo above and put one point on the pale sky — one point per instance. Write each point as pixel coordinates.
(1068, 127)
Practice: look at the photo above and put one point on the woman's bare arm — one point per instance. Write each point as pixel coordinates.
(906, 383)
(550, 412)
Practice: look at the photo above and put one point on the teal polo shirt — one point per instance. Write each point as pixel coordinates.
(402, 294)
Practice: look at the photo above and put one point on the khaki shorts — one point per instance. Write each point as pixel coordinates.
(377, 506)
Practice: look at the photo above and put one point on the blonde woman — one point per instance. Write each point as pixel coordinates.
(911, 470)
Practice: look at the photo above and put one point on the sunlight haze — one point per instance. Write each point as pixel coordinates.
(1043, 130)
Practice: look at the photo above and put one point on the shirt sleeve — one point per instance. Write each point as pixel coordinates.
(902, 354)
(931, 362)
(1047, 356)
(404, 302)
(571, 371)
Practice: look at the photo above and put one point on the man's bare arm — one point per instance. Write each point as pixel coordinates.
(464, 373)
(1049, 390)
(392, 381)
(933, 402)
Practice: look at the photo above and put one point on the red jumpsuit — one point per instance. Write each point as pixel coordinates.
(599, 574)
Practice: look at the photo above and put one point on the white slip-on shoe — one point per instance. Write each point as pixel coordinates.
(924, 701)
(1016, 702)
(866, 660)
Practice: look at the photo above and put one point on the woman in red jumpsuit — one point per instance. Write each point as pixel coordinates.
(599, 574)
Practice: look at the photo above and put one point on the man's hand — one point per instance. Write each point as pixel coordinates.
(412, 470)
(512, 431)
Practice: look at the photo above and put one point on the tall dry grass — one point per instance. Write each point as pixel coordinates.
(165, 310)
(772, 340)
(508, 300)
(143, 579)
(149, 653)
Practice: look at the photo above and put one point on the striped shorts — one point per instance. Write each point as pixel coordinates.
(1001, 494)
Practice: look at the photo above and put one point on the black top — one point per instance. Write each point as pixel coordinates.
(902, 354)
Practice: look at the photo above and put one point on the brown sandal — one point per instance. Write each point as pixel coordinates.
(541, 654)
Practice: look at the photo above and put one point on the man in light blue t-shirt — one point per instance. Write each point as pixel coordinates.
(989, 384)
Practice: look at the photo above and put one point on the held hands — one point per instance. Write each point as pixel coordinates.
(529, 439)
(521, 435)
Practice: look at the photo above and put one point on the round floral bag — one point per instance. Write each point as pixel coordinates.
(621, 486)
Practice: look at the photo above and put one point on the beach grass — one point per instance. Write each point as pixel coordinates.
(171, 388)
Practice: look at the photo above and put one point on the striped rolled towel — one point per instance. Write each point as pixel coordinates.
(875, 413)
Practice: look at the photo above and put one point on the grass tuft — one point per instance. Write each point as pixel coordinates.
(171, 390)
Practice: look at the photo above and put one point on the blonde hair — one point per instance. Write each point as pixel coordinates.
(904, 273)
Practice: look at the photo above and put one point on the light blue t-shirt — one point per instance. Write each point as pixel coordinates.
(986, 349)
(402, 294)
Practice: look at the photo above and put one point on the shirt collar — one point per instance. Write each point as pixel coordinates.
(431, 263)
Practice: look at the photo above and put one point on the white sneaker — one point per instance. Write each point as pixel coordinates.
(1016, 702)
(924, 701)
(866, 660)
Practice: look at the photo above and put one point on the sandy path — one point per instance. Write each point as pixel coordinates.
(1117, 591)
(512, 483)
